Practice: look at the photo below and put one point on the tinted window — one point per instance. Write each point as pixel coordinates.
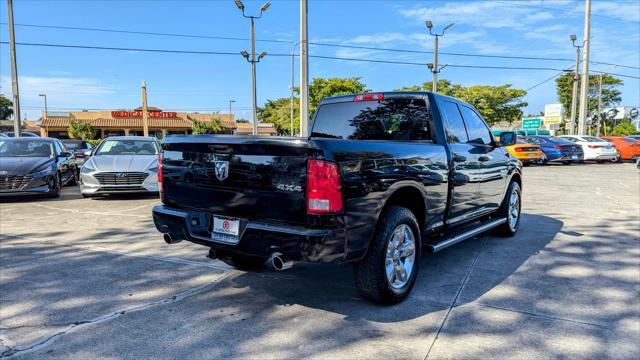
(456, 131)
(476, 128)
(571, 139)
(389, 119)
(558, 140)
(27, 148)
(592, 139)
(74, 145)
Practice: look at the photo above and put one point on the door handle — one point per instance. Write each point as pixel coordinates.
(459, 158)
(484, 158)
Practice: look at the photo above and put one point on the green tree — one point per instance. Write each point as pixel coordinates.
(6, 108)
(278, 113)
(495, 103)
(207, 127)
(80, 130)
(624, 128)
(610, 94)
(321, 88)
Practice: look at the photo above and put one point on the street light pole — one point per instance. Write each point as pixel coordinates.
(230, 113)
(574, 91)
(304, 68)
(434, 68)
(45, 106)
(17, 124)
(253, 59)
(584, 86)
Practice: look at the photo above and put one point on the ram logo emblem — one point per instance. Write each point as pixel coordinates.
(222, 170)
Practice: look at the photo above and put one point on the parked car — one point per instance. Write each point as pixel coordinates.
(2, 135)
(22, 134)
(626, 148)
(635, 137)
(121, 164)
(593, 148)
(525, 152)
(556, 149)
(380, 177)
(79, 148)
(35, 166)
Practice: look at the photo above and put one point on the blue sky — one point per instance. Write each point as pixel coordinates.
(97, 79)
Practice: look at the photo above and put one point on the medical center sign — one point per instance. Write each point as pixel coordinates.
(138, 114)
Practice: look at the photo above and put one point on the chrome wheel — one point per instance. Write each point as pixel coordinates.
(514, 209)
(401, 256)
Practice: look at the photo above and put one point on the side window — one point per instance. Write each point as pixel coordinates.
(477, 129)
(456, 132)
(58, 147)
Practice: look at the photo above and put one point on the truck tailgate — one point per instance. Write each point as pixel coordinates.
(248, 177)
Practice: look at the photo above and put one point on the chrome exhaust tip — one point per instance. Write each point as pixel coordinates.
(281, 262)
(170, 240)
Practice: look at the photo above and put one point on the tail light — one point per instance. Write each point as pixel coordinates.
(518, 149)
(160, 185)
(558, 147)
(368, 97)
(324, 191)
(593, 146)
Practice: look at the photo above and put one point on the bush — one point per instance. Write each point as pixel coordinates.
(80, 130)
(625, 128)
(207, 127)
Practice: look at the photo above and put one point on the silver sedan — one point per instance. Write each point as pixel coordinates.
(121, 164)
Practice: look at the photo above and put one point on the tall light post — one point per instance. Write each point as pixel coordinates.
(574, 92)
(230, 102)
(304, 68)
(253, 59)
(46, 112)
(434, 68)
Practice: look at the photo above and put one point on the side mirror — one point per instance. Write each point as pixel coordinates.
(507, 138)
(87, 153)
(66, 154)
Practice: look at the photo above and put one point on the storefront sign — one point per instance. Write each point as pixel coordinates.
(138, 114)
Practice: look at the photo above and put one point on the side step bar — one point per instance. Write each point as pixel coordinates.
(466, 235)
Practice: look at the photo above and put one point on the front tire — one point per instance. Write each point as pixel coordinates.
(74, 178)
(511, 208)
(389, 270)
(617, 159)
(55, 186)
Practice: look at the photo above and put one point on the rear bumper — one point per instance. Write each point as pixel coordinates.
(257, 238)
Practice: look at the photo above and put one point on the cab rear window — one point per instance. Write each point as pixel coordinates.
(387, 119)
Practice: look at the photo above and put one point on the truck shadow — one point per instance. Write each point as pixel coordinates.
(331, 288)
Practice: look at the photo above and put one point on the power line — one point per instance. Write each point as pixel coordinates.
(512, 57)
(288, 55)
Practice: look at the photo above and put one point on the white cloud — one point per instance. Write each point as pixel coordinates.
(626, 11)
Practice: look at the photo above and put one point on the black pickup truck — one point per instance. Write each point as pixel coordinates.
(381, 178)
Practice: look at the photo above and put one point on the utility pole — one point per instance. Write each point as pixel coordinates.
(434, 67)
(17, 124)
(46, 112)
(574, 91)
(253, 59)
(584, 86)
(599, 104)
(293, 79)
(304, 69)
(145, 113)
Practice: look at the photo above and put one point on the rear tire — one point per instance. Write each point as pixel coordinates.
(617, 159)
(511, 210)
(242, 262)
(389, 270)
(543, 160)
(566, 162)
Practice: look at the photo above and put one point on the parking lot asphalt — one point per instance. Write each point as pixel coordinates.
(91, 278)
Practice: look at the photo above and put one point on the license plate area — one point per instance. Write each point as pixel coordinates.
(224, 229)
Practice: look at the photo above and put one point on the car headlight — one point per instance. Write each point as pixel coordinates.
(87, 167)
(41, 172)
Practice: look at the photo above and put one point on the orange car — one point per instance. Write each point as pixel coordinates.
(627, 148)
(525, 152)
